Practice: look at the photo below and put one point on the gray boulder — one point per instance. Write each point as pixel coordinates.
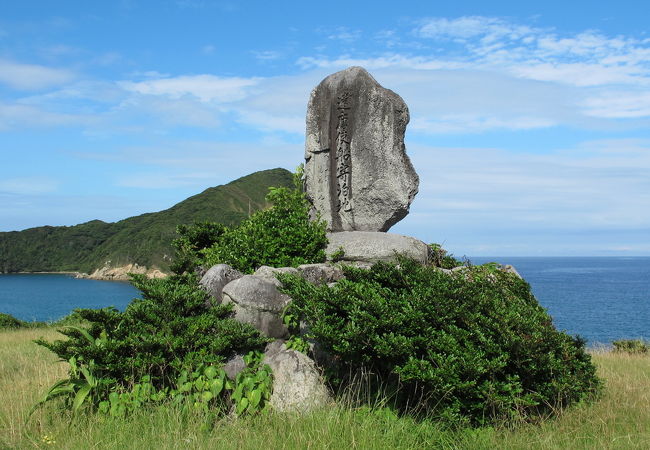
(258, 302)
(274, 347)
(216, 278)
(234, 366)
(357, 174)
(297, 382)
(268, 273)
(321, 273)
(510, 269)
(370, 247)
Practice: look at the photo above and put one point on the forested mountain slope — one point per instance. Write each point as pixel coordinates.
(143, 239)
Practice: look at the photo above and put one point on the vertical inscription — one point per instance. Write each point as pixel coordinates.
(343, 158)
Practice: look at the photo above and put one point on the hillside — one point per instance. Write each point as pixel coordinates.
(143, 239)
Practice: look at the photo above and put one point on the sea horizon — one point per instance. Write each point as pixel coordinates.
(601, 298)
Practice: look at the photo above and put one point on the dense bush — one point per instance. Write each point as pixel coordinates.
(192, 240)
(474, 344)
(280, 236)
(9, 321)
(169, 329)
(633, 346)
(439, 257)
(172, 329)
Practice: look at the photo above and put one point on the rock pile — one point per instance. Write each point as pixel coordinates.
(358, 179)
(298, 385)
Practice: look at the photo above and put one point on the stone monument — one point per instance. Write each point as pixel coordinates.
(357, 174)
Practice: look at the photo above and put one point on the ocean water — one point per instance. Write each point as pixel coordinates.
(601, 299)
(45, 297)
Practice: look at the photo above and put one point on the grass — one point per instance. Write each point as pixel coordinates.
(619, 420)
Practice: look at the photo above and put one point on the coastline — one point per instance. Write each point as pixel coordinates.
(121, 273)
(106, 273)
(63, 272)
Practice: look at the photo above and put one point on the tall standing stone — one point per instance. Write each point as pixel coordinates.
(357, 174)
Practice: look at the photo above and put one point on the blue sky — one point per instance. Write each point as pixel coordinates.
(530, 125)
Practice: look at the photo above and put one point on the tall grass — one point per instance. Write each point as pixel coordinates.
(620, 419)
(26, 371)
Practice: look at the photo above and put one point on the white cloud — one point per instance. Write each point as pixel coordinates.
(31, 76)
(345, 34)
(18, 115)
(474, 197)
(380, 62)
(28, 185)
(206, 88)
(157, 113)
(267, 121)
(472, 123)
(619, 105)
(267, 55)
(488, 28)
(185, 159)
(163, 180)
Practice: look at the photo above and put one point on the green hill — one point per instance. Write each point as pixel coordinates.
(143, 239)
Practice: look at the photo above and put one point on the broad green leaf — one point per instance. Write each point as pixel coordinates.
(210, 372)
(89, 377)
(237, 395)
(216, 386)
(255, 397)
(242, 405)
(80, 397)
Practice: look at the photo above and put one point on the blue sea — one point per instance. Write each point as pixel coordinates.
(601, 299)
(48, 297)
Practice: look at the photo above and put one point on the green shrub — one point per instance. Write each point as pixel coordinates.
(280, 236)
(169, 329)
(9, 321)
(206, 388)
(172, 328)
(474, 345)
(633, 346)
(440, 258)
(190, 243)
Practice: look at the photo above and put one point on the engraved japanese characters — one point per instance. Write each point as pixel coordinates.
(357, 174)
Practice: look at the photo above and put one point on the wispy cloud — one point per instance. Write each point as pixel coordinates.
(163, 180)
(345, 34)
(488, 29)
(18, 115)
(267, 55)
(481, 197)
(208, 49)
(204, 87)
(32, 76)
(28, 185)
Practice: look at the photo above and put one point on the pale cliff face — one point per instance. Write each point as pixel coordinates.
(122, 273)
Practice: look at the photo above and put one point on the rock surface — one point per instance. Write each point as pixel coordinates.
(234, 366)
(297, 382)
(268, 273)
(121, 273)
(357, 174)
(510, 269)
(216, 278)
(258, 302)
(370, 247)
(321, 273)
